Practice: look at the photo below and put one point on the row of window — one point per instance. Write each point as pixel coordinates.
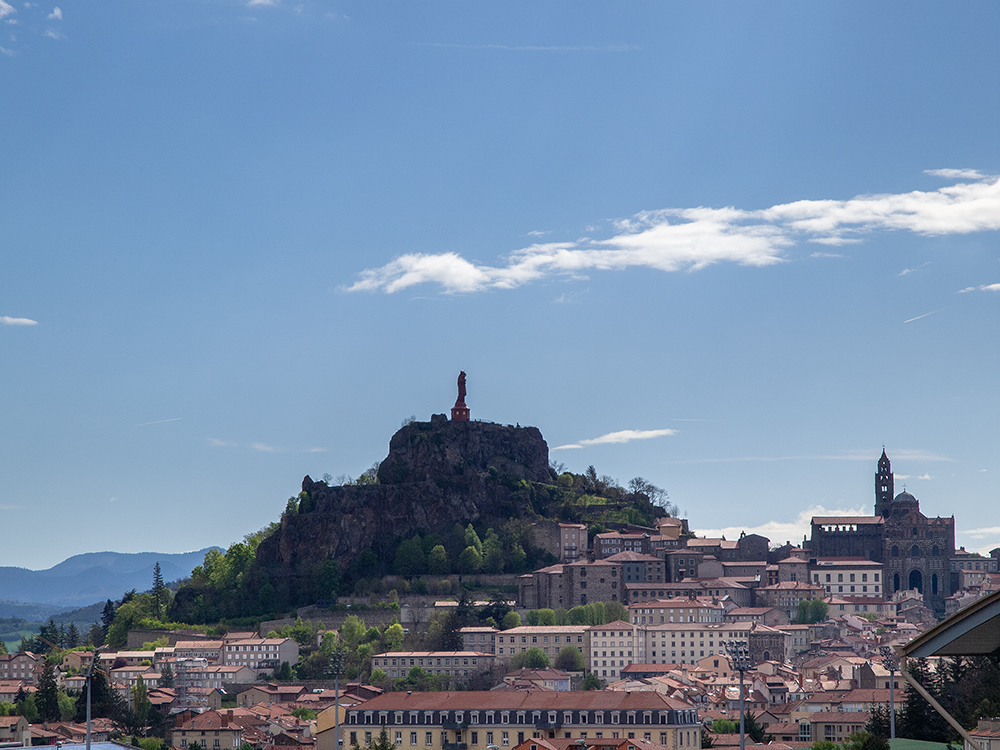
(683, 716)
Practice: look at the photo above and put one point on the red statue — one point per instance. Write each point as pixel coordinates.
(460, 412)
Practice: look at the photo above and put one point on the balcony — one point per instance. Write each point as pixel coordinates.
(456, 746)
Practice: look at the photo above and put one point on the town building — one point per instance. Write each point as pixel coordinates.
(549, 638)
(476, 720)
(854, 576)
(459, 665)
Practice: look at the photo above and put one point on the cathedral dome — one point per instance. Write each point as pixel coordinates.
(905, 497)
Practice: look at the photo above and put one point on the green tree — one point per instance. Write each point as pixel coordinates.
(865, 741)
(26, 707)
(591, 682)
(107, 617)
(825, 745)
(569, 659)
(393, 637)
(166, 676)
(95, 636)
(161, 596)
(72, 636)
(725, 726)
(382, 742)
(437, 561)
(410, 560)
(47, 697)
(755, 730)
(472, 539)
(511, 620)
(541, 617)
(918, 720)
(533, 658)
(493, 554)
(470, 560)
(811, 610)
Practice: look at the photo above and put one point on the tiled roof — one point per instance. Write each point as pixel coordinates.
(523, 701)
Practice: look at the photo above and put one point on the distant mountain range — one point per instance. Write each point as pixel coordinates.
(92, 577)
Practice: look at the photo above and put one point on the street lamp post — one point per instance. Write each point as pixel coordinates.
(336, 667)
(739, 657)
(889, 662)
(89, 681)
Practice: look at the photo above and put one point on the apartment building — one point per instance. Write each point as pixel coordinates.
(459, 665)
(549, 638)
(686, 643)
(854, 576)
(477, 720)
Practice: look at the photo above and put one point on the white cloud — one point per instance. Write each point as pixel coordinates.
(56, 14)
(160, 421)
(780, 532)
(908, 271)
(957, 174)
(689, 239)
(539, 233)
(8, 321)
(818, 254)
(6, 9)
(317, 450)
(922, 316)
(264, 448)
(925, 476)
(261, 3)
(622, 436)
(903, 454)
(983, 288)
(9, 53)
(509, 48)
(980, 533)
(53, 34)
(221, 443)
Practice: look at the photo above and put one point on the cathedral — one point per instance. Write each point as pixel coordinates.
(914, 549)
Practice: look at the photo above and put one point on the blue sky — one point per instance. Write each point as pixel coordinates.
(241, 242)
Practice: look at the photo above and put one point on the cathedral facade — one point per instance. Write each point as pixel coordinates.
(915, 549)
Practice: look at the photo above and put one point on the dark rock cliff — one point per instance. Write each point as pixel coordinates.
(437, 473)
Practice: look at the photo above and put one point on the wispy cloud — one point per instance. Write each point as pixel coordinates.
(925, 476)
(53, 34)
(317, 450)
(983, 288)
(782, 531)
(6, 9)
(8, 321)
(922, 316)
(55, 15)
(539, 232)
(983, 532)
(853, 455)
(957, 174)
(533, 48)
(689, 239)
(8, 53)
(818, 254)
(10, 507)
(908, 271)
(215, 442)
(264, 448)
(622, 436)
(261, 3)
(161, 421)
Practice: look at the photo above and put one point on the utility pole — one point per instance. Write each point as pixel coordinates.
(889, 662)
(739, 657)
(335, 667)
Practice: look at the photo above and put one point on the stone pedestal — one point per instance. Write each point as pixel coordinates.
(460, 412)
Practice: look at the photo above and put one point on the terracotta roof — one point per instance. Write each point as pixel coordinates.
(523, 701)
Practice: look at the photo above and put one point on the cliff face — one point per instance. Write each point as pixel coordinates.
(437, 473)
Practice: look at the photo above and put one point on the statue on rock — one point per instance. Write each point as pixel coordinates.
(460, 412)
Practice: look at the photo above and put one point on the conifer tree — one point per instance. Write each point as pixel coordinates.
(47, 697)
(161, 597)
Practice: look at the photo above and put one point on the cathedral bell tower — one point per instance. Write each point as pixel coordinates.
(883, 487)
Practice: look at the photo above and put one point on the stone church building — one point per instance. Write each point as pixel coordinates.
(915, 549)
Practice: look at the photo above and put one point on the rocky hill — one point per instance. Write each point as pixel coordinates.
(437, 474)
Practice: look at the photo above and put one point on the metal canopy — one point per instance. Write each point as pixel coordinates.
(973, 631)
